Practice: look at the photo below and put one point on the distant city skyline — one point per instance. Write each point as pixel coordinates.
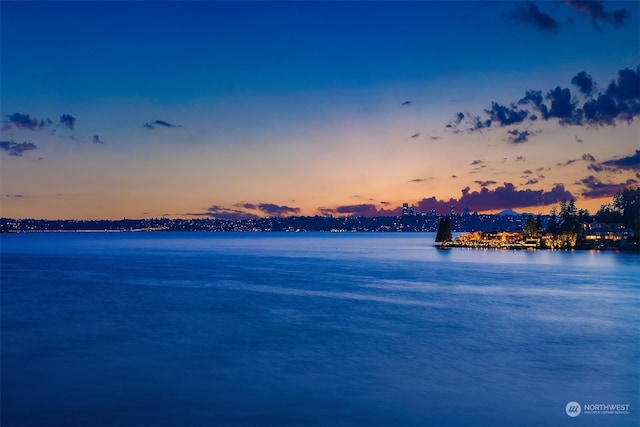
(251, 109)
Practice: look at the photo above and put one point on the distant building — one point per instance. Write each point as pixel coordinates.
(408, 211)
(453, 210)
(601, 233)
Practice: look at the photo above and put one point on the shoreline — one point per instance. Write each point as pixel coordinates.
(598, 248)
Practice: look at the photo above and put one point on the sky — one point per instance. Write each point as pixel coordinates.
(249, 109)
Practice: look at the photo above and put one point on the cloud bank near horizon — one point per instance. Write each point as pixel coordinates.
(505, 196)
(247, 211)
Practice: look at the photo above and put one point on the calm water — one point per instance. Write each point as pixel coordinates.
(195, 329)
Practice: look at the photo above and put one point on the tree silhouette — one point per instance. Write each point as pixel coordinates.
(608, 214)
(552, 224)
(568, 216)
(444, 231)
(530, 227)
(628, 203)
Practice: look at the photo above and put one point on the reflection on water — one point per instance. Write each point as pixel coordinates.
(311, 329)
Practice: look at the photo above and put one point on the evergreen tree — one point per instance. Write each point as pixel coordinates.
(608, 214)
(628, 203)
(573, 216)
(563, 216)
(530, 227)
(444, 231)
(568, 216)
(539, 222)
(583, 216)
(552, 225)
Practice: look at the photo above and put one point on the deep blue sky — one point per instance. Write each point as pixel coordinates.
(184, 49)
